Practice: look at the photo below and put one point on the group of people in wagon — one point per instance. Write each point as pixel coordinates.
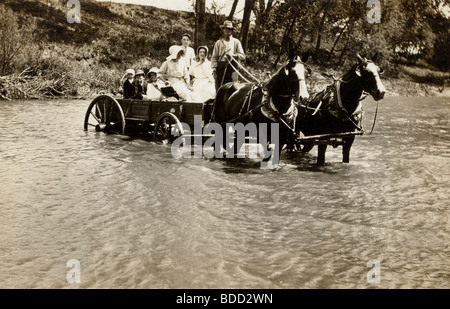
(191, 75)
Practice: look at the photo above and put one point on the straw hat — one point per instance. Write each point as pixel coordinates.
(227, 24)
(173, 51)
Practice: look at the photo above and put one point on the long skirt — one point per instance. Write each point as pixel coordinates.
(180, 87)
(203, 90)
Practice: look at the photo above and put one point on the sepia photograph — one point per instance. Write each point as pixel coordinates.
(247, 146)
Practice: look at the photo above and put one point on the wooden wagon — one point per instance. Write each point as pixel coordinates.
(160, 119)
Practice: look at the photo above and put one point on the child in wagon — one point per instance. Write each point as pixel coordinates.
(127, 83)
(154, 85)
(140, 85)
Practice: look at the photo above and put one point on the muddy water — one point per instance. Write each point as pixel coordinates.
(135, 217)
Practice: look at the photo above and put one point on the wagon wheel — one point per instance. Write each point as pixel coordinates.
(104, 114)
(167, 128)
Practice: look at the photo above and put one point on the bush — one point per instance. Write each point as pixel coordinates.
(17, 45)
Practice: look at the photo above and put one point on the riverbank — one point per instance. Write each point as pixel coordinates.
(45, 57)
(86, 81)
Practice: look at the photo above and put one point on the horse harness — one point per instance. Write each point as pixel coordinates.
(330, 100)
(267, 107)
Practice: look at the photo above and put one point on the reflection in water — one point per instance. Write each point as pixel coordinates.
(136, 217)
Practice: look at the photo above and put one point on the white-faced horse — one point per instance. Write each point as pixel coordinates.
(337, 109)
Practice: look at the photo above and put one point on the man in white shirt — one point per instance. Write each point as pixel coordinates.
(189, 53)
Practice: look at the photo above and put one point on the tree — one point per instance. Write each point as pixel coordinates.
(246, 23)
(200, 22)
(17, 44)
(233, 10)
(326, 8)
(261, 12)
(9, 43)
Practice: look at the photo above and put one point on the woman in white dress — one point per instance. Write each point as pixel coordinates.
(203, 86)
(176, 73)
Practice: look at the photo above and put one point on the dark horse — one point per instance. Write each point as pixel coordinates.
(337, 109)
(274, 102)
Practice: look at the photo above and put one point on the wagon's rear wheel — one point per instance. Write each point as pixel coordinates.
(104, 114)
(167, 128)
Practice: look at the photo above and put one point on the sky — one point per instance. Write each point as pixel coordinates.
(186, 5)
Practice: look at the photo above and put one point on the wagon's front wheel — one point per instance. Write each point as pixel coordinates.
(167, 128)
(104, 114)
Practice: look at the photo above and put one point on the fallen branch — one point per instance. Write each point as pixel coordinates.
(4, 97)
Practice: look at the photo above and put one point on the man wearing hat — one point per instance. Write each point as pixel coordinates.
(226, 47)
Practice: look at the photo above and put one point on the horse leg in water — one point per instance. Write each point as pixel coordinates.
(348, 141)
(322, 148)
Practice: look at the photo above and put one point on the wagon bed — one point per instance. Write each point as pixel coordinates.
(157, 118)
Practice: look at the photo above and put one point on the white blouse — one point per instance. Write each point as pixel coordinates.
(202, 70)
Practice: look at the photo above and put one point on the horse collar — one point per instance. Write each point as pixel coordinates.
(341, 112)
(337, 87)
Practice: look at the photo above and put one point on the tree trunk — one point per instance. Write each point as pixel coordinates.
(269, 5)
(233, 10)
(344, 50)
(286, 34)
(320, 29)
(246, 23)
(337, 39)
(259, 13)
(200, 23)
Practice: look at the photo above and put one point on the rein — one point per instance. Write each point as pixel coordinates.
(242, 68)
(266, 100)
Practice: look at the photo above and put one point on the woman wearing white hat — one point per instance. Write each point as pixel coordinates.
(203, 86)
(154, 85)
(129, 90)
(176, 72)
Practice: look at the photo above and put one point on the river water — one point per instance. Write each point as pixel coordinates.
(135, 217)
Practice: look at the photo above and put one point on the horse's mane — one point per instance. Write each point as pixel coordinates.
(350, 72)
(275, 79)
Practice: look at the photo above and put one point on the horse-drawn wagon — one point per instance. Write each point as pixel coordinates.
(331, 117)
(160, 119)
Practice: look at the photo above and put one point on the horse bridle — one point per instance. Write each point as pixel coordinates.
(289, 82)
(364, 81)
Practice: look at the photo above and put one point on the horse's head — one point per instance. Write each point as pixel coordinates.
(369, 75)
(296, 71)
(290, 79)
